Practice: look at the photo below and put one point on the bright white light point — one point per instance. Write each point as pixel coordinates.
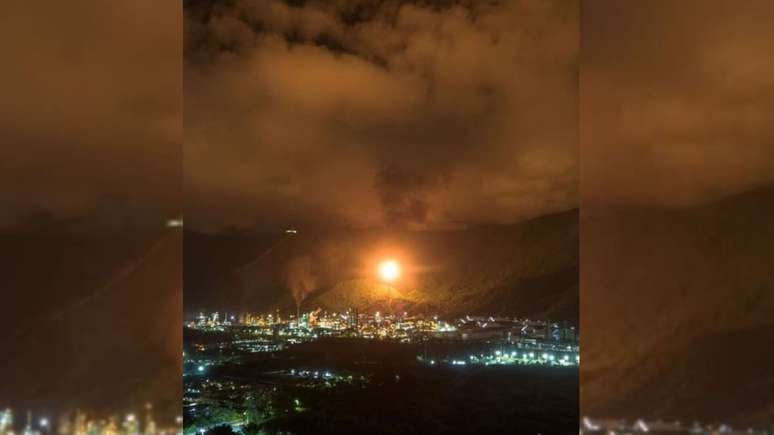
(44, 422)
(389, 270)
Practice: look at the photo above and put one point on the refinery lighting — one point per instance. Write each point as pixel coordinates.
(389, 270)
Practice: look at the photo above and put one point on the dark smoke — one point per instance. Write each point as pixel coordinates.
(426, 115)
(403, 194)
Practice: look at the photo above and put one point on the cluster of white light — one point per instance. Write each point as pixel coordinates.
(614, 426)
(499, 357)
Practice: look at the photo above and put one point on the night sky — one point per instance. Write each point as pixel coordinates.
(677, 102)
(422, 115)
(91, 113)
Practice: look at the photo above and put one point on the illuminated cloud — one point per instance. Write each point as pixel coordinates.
(357, 114)
(91, 113)
(677, 102)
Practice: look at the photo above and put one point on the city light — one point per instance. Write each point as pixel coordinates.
(510, 341)
(76, 422)
(389, 270)
(215, 385)
(613, 425)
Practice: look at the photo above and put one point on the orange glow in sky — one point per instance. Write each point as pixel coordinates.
(389, 270)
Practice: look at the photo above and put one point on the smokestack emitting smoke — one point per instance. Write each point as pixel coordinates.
(300, 279)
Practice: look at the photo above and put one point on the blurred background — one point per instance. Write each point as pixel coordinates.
(90, 248)
(677, 199)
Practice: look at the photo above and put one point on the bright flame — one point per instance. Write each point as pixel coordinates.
(389, 270)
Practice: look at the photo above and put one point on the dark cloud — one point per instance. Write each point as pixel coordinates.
(424, 115)
(90, 114)
(677, 101)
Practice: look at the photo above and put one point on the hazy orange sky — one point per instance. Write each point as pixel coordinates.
(91, 113)
(428, 114)
(677, 101)
(417, 114)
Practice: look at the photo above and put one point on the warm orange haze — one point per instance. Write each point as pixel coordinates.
(90, 239)
(392, 217)
(424, 155)
(677, 226)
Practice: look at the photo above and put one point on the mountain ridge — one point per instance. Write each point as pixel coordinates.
(449, 269)
(658, 287)
(111, 342)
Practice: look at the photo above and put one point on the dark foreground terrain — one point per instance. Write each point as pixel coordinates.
(403, 397)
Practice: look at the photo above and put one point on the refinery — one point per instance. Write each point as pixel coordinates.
(494, 340)
(264, 373)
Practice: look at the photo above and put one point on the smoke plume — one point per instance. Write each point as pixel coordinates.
(379, 114)
(301, 278)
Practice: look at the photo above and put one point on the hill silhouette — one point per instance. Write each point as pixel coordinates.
(98, 326)
(676, 305)
(528, 269)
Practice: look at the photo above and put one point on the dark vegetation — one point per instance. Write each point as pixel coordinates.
(403, 397)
